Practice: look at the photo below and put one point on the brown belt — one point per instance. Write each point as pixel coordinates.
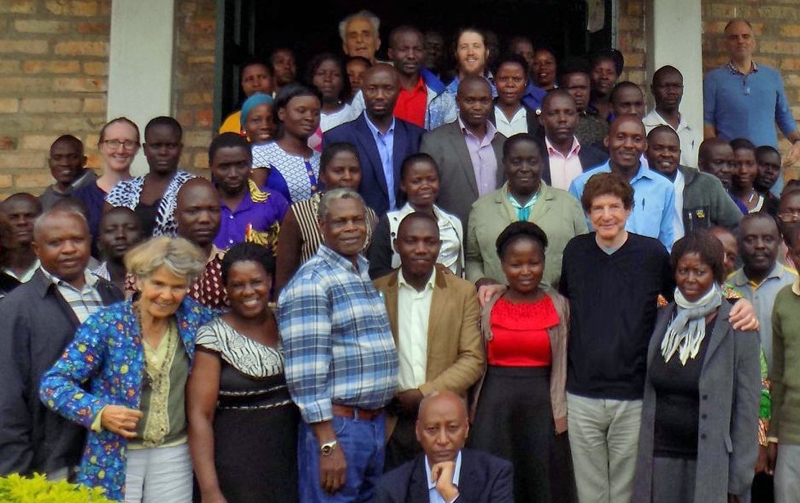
(355, 412)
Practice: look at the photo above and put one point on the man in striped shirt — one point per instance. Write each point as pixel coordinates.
(341, 361)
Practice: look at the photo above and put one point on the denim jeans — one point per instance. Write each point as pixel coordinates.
(362, 442)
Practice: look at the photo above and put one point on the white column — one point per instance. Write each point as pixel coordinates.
(140, 63)
(675, 37)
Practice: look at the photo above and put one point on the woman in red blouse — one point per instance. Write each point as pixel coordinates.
(519, 412)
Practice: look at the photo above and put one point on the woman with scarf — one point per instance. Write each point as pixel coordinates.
(698, 437)
(258, 119)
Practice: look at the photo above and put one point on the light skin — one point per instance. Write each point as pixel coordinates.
(626, 141)
(441, 429)
(560, 120)
(760, 242)
(511, 81)
(471, 54)
(117, 159)
(407, 52)
(579, 86)
(381, 88)
(608, 214)
(474, 100)
(664, 153)
(66, 163)
(260, 125)
(360, 39)
(543, 69)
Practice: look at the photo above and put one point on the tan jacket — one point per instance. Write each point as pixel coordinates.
(558, 348)
(455, 354)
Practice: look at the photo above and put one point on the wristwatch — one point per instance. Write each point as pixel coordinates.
(327, 448)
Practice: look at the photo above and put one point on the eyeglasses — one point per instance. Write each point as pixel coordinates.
(789, 215)
(115, 144)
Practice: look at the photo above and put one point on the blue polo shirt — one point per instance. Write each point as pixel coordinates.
(653, 212)
(747, 106)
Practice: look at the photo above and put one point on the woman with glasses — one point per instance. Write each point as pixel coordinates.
(118, 145)
(153, 196)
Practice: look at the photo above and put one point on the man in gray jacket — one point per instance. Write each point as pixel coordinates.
(700, 198)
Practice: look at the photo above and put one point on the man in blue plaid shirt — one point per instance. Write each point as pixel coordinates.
(341, 361)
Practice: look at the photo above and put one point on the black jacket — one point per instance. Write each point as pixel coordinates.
(706, 203)
(483, 479)
(531, 117)
(589, 156)
(37, 323)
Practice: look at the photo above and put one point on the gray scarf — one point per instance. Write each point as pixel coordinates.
(687, 330)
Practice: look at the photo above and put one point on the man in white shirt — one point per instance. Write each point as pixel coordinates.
(667, 89)
(438, 342)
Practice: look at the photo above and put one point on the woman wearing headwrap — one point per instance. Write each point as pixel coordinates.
(698, 437)
(258, 119)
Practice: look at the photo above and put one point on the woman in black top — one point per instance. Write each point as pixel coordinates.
(700, 411)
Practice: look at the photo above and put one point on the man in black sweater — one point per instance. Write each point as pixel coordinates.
(612, 279)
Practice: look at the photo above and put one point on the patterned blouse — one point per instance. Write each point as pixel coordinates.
(295, 177)
(239, 351)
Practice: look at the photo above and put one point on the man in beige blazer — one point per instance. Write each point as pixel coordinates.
(434, 317)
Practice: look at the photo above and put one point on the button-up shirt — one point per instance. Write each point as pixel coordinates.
(262, 216)
(412, 328)
(523, 211)
(690, 138)
(481, 153)
(337, 340)
(653, 212)
(433, 494)
(83, 301)
(412, 105)
(563, 170)
(25, 276)
(385, 144)
(679, 184)
(762, 296)
(517, 124)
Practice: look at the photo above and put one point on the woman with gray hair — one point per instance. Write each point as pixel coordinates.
(124, 374)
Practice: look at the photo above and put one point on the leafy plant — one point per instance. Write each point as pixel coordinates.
(16, 489)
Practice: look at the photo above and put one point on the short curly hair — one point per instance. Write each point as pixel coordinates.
(607, 184)
(705, 244)
(247, 252)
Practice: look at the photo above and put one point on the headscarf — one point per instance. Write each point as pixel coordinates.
(687, 330)
(252, 102)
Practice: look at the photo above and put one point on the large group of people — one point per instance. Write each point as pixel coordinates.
(514, 287)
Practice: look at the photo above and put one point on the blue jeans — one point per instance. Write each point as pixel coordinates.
(362, 442)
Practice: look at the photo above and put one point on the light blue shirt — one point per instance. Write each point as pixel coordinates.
(653, 212)
(385, 144)
(433, 494)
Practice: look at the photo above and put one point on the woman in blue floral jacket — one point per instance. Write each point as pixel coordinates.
(123, 378)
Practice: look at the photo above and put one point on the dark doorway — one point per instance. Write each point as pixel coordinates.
(253, 27)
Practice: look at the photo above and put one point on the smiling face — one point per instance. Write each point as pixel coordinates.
(162, 292)
(442, 427)
(474, 100)
(608, 215)
(231, 169)
(604, 76)
(63, 245)
(381, 89)
(543, 69)
(66, 161)
(471, 53)
(248, 288)
(418, 245)
(760, 242)
(511, 81)
(523, 265)
(420, 184)
(119, 158)
(523, 166)
(345, 227)
(559, 118)
(162, 148)
(626, 141)
(261, 125)
(664, 152)
(693, 276)
(300, 116)
(407, 51)
(360, 39)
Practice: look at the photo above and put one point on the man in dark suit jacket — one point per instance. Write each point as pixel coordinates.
(454, 146)
(382, 140)
(38, 322)
(446, 469)
(560, 121)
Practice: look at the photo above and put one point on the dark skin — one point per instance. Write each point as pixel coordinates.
(744, 176)
(120, 230)
(247, 282)
(66, 163)
(626, 141)
(769, 169)
(231, 169)
(667, 91)
(511, 81)
(329, 79)
(418, 245)
(21, 210)
(381, 87)
(716, 158)
(420, 184)
(523, 265)
(760, 241)
(63, 243)
(197, 213)
(407, 51)
(664, 152)
(162, 148)
(560, 120)
(603, 77)
(474, 100)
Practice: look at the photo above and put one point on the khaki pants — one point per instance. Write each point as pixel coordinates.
(604, 439)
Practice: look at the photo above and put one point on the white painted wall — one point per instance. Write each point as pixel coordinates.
(140, 63)
(675, 37)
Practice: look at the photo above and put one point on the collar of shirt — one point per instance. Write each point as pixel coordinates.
(491, 131)
(574, 150)
(342, 261)
(519, 115)
(25, 276)
(796, 286)
(654, 119)
(376, 132)
(419, 87)
(515, 203)
(244, 205)
(456, 472)
(735, 71)
(740, 279)
(90, 279)
(215, 252)
(401, 281)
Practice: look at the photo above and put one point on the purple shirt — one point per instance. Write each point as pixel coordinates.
(261, 215)
(481, 153)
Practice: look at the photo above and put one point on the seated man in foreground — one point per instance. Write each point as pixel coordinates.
(446, 471)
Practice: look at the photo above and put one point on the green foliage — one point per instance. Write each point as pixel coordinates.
(16, 489)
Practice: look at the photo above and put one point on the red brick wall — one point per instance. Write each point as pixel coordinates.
(53, 79)
(631, 39)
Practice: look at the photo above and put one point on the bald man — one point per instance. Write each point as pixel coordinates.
(468, 151)
(446, 471)
(197, 213)
(39, 319)
(21, 210)
(382, 140)
(654, 212)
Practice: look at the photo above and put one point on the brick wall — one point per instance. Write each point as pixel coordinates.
(631, 40)
(53, 79)
(777, 27)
